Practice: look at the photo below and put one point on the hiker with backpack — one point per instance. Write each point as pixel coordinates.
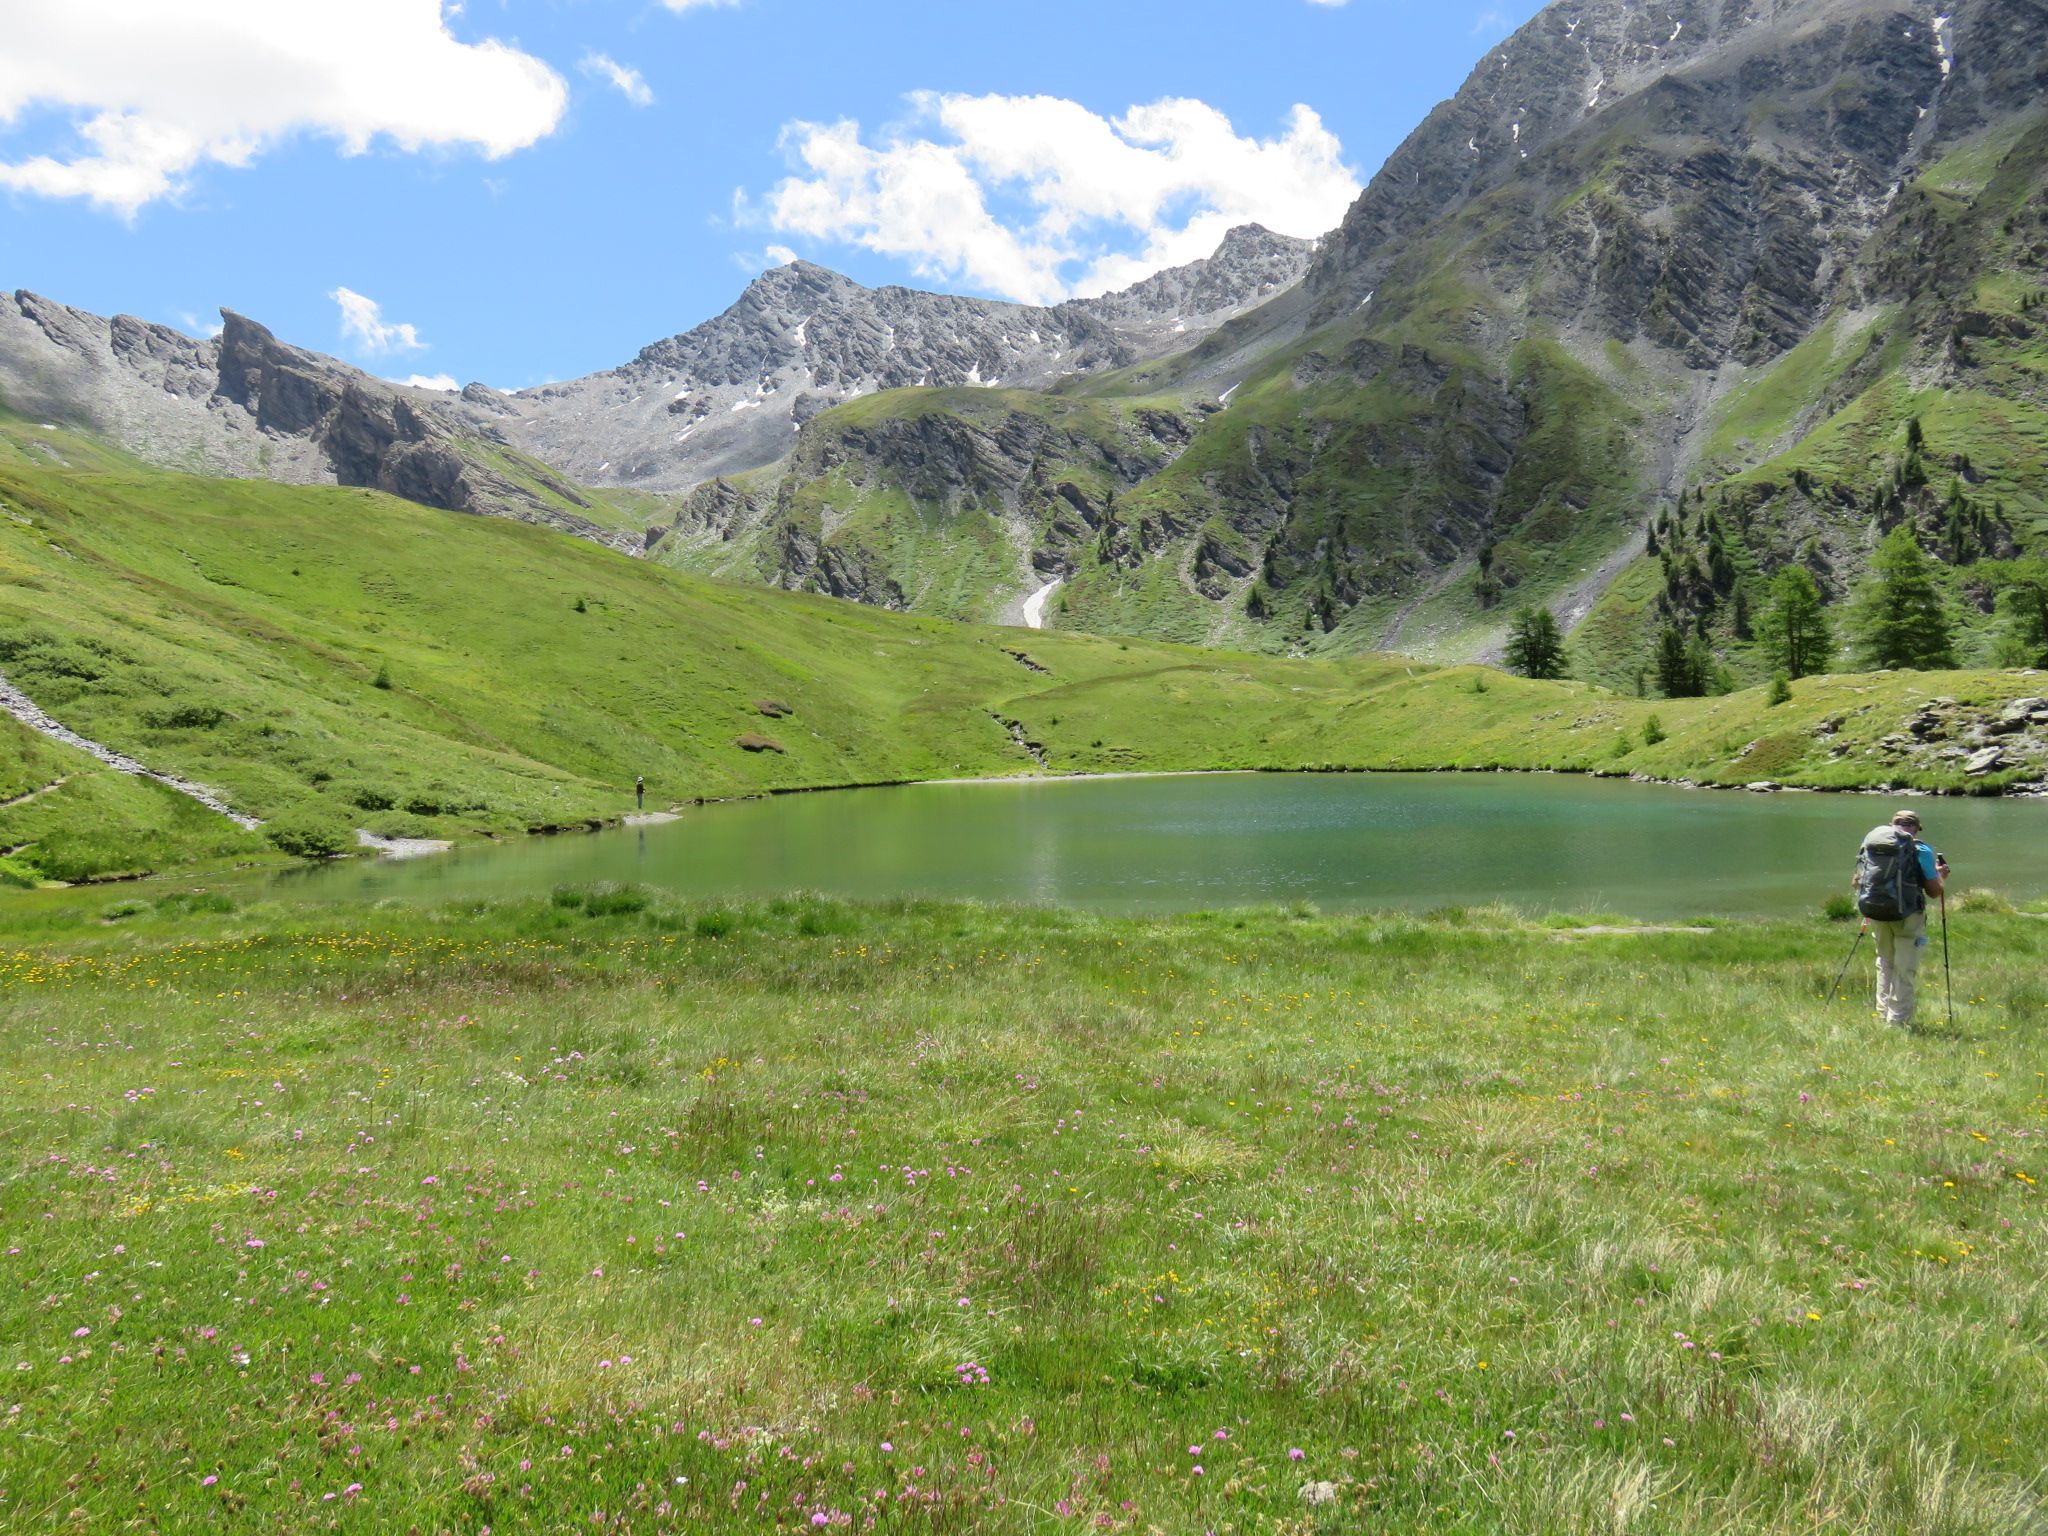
(1895, 874)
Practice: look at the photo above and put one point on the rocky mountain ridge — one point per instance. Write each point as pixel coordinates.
(729, 395)
(245, 405)
(725, 397)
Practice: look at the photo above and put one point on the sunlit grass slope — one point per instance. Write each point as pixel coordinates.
(422, 671)
(940, 1218)
(1378, 712)
(425, 673)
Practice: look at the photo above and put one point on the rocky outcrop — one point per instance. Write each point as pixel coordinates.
(1625, 215)
(1942, 734)
(947, 501)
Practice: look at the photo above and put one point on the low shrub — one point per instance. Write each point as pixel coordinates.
(605, 899)
(400, 824)
(182, 714)
(194, 901)
(308, 834)
(1983, 901)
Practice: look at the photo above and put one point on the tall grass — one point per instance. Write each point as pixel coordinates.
(933, 1217)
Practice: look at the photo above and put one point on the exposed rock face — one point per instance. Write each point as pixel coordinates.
(147, 388)
(730, 395)
(247, 405)
(1737, 150)
(948, 501)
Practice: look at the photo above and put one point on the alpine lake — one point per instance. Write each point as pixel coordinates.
(1540, 843)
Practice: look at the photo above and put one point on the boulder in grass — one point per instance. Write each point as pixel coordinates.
(750, 742)
(1316, 1494)
(2021, 713)
(1984, 761)
(774, 709)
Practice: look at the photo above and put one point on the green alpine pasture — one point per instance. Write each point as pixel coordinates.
(610, 1213)
(341, 659)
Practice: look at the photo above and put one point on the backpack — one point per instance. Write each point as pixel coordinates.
(1888, 876)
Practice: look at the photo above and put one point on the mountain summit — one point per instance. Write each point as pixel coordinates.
(729, 395)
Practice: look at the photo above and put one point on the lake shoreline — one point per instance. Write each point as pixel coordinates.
(1539, 840)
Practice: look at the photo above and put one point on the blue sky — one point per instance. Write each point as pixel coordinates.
(519, 190)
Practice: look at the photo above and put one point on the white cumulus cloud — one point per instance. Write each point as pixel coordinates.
(628, 80)
(159, 86)
(443, 381)
(1039, 199)
(363, 322)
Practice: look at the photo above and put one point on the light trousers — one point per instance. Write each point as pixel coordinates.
(1899, 947)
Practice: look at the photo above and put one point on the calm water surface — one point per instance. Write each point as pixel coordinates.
(1174, 843)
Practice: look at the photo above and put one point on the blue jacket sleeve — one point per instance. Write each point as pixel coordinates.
(1928, 871)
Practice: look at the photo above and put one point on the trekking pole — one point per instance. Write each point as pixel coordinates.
(1947, 980)
(1847, 958)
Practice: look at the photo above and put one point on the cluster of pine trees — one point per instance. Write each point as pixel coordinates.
(1946, 584)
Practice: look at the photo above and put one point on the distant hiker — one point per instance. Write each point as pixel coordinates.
(1895, 874)
(640, 794)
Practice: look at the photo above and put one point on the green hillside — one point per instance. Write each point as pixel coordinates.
(422, 672)
(931, 500)
(1925, 411)
(363, 661)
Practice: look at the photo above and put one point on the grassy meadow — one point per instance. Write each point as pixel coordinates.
(303, 651)
(609, 1213)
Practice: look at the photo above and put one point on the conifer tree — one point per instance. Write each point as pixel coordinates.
(2023, 606)
(1677, 666)
(1795, 631)
(1535, 644)
(1900, 618)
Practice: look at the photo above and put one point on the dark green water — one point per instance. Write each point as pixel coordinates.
(1539, 841)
